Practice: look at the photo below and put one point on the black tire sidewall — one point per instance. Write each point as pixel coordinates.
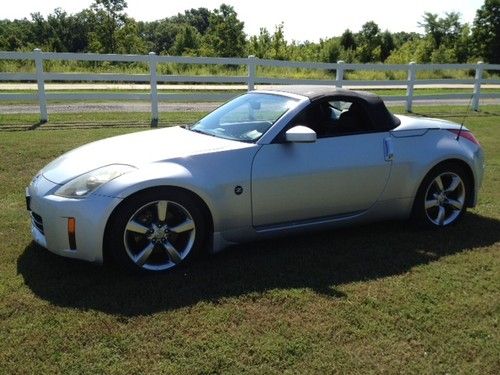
(419, 215)
(122, 214)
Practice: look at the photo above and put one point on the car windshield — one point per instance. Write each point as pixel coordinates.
(245, 118)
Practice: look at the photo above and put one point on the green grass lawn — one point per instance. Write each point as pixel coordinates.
(23, 121)
(381, 298)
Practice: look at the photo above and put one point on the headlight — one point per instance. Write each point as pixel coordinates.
(83, 185)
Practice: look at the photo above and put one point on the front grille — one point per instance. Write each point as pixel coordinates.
(37, 221)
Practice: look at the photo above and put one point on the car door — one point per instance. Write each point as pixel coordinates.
(336, 175)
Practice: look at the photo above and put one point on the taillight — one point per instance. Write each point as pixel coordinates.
(465, 134)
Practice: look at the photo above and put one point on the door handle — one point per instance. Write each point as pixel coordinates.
(388, 149)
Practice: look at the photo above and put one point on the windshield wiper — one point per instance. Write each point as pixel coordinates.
(201, 131)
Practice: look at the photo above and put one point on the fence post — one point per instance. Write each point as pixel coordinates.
(154, 89)
(412, 75)
(251, 72)
(42, 100)
(339, 74)
(477, 86)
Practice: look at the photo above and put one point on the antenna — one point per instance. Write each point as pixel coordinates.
(465, 117)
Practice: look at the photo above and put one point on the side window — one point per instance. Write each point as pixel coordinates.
(314, 116)
(348, 117)
(334, 117)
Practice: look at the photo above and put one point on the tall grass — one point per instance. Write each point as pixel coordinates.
(15, 66)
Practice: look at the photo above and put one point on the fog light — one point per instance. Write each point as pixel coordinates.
(71, 233)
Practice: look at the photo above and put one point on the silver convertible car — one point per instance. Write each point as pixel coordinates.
(266, 163)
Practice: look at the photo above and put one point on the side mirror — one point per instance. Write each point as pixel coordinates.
(300, 134)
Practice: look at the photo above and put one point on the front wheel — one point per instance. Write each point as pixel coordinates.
(156, 231)
(441, 198)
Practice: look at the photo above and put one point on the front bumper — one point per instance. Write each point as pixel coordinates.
(49, 220)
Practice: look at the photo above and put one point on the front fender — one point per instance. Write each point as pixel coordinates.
(215, 188)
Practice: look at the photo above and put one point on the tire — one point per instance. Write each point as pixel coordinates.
(156, 231)
(442, 197)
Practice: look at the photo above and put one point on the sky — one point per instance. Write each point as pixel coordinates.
(304, 20)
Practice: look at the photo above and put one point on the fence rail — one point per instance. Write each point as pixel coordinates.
(250, 79)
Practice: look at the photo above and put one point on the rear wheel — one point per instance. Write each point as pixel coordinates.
(156, 231)
(441, 198)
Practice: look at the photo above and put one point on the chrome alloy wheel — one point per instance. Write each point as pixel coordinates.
(444, 198)
(159, 235)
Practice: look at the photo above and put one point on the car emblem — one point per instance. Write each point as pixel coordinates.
(238, 190)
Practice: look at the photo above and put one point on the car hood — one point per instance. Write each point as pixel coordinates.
(135, 149)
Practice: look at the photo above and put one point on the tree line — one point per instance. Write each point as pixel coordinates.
(105, 27)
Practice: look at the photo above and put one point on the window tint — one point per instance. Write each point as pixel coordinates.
(331, 118)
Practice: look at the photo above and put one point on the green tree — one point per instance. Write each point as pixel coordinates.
(306, 51)
(58, 24)
(198, 18)
(369, 42)
(110, 17)
(68, 33)
(464, 47)
(225, 36)
(330, 50)
(159, 35)
(348, 40)
(269, 46)
(40, 30)
(449, 38)
(16, 35)
(128, 40)
(348, 55)
(278, 43)
(260, 45)
(11, 43)
(386, 45)
(443, 55)
(442, 30)
(486, 31)
(187, 41)
(418, 50)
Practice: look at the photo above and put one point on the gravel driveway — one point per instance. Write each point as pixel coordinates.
(110, 107)
(179, 107)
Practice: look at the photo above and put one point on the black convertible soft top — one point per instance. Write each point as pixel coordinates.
(373, 104)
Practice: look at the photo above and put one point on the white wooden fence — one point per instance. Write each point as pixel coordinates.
(250, 79)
